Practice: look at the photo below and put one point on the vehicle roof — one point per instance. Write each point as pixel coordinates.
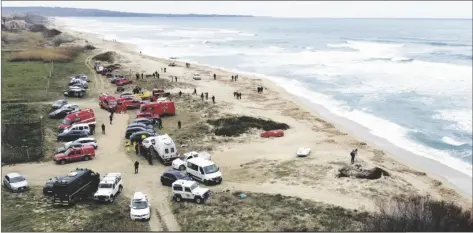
(141, 119)
(113, 174)
(201, 162)
(174, 172)
(140, 132)
(80, 139)
(14, 174)
(139, 196)
(186, 183)
(73, 175)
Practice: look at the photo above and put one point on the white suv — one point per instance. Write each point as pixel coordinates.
(189, 190)
(140, 207)
(83, 141)
(109, 187)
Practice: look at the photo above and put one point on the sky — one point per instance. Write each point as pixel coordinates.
(347, 9)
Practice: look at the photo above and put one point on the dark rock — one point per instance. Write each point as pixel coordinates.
(359, 172)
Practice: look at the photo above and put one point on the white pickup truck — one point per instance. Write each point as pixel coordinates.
(109, 187)
(180, 163)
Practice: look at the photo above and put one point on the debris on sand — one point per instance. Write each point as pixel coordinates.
(359, 172)
(235, 126)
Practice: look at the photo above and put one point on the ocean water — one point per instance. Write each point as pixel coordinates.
(407, 81)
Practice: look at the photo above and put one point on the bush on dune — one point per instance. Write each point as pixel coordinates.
(8, 37)
(419, 214)
(107, 57)
(235, 126)
(64, 54)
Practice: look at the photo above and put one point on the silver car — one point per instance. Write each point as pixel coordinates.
(15, 182)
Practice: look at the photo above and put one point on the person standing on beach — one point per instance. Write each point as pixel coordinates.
(103, 128)
(206, 96)
(195, 91)
(137, 164)
(202, 96)
(236, 77)
(233, 78)
(137, 76)
(215, 77)
(175, 78)
(154, 75)
(164, 69)
(353, 154)
(179, 124)
(180, 94)
(142, 75)
(213, 99)
(157, 74)
(140, 52)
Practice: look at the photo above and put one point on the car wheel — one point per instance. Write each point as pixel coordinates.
(86, 158)
(198, 200)
(120, 189)
(182, 168)
(62, 162)
(148, 219)
(112, 199)
(177, 198)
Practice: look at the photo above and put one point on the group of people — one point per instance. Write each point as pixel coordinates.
(260, 90)
(137, 90)
(234, 77)
(237, 95)
(202, 95)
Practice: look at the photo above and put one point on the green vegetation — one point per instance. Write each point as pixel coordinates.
(29, 211)
(61, 54)
(264, 212)
(107, 56)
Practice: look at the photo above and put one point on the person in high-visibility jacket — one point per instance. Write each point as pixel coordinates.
(135, 146)
(127, 146)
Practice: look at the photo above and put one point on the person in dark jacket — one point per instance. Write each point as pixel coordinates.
(137, 76)
(215, 77)
(111, 118)
(142, 75)
(103, 128)
(213, 99)
(137, 164)
(353, 155)
(195, 91)
(233, 78)
(157, 74)
(175, 77)
(202, 96)
(179, 124)
(160, 123)
(206, 96)
(92, 129)
(180, 93)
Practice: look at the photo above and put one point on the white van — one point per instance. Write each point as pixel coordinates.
(203, 170)
(163, 146)
(79, 127)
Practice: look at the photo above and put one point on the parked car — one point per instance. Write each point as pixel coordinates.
(123, 81)
(88, 141)
(78, 127)
(75, 92)
(75, 186)
(84, 153)
(109, 187)
(148, 115)
(133, 130)
(140, 207)
(63, 149)
(189, 190)
(180, 163)
(203, 170)
(48, 187)
(59, 103)
(196, 76)
(86, 115)
(168, 177)
(63, 111)
(15, 182)
(125, 94)
(72, 135)
(145, 121)
(137, 136)
(133, 125)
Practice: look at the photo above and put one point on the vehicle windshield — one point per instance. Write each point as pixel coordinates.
(105, 186)
(66, 121)
(112, 102)
(68, 151)
(210, 169)
(58, 102)
(194, 186)
(17, 179)
(139, 204)
(180, 175)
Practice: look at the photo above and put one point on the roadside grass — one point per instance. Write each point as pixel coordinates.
(29, 211)
(225, 211)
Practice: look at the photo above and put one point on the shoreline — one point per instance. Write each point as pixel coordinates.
(452, 178)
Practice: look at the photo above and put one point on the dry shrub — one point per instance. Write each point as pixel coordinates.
(107, 56)
(61, 39)
(8, 37)
(63, 54)
(419, 214)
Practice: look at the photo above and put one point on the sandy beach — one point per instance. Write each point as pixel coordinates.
(249, 162)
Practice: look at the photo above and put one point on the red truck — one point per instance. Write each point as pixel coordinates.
(131, 103)
(123, 81)
(162, 108)
(86, 115)
(83, 153)
(107, 101)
